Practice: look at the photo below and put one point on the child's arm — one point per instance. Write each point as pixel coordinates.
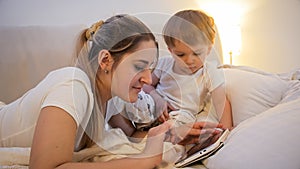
(122, 122)
(161, 106)
(222, 106)
(119, 121)
(149, 88)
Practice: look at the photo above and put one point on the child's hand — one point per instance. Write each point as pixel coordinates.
(192, 133)
(165, 114)
(161, 107)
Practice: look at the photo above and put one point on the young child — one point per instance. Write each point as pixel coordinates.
(186, 86)
(188, 82)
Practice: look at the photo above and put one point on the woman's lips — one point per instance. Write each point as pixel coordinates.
(137, 88)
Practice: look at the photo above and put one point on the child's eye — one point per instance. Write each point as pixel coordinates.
(180, 55)
(198, 54)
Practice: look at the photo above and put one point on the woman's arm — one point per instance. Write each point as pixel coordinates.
(53, 141)
(151, 156)
(53, 145)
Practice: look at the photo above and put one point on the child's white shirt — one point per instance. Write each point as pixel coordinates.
(187, 93)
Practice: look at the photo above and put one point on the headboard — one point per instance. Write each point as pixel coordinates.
(28, 53)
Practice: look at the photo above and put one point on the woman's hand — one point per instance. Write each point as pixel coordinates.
(192, 133)
(154, 143)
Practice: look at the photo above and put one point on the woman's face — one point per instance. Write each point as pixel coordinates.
(189, 58)
(133, 71)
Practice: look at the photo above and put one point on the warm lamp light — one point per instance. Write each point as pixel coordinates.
(231, 42)
(227, 18)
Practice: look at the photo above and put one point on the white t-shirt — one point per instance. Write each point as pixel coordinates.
(188, 93)
(67, 88)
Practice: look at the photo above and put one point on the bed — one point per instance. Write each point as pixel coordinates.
(266, 106)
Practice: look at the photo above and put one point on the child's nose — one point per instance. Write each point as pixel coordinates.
(189, 59)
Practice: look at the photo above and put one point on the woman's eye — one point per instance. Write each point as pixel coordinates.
(139, 68)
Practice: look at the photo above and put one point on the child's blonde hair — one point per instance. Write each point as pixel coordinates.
(190, 26)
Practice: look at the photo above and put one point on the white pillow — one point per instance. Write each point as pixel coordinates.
(270, 140)
(251, 93)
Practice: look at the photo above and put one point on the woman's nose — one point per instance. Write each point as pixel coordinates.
(147, 77)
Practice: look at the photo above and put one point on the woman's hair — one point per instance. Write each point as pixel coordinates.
(190, 26)
(119, 35)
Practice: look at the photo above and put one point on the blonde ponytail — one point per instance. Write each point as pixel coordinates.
(85, 36)
(93, 29)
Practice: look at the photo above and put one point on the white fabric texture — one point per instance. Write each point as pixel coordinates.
(251, 93)
(141, 112)
(187, 93)
(18, 157)
(2, 104)
(66, 88)
(267, 139)
(270, 140)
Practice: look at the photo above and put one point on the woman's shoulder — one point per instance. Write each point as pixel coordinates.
(69, 73)
(68, 70)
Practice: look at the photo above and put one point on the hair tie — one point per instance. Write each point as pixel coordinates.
(93, 29)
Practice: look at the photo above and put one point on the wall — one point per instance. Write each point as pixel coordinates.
(16, 12)
(270, 28)
(61, 12)
(271, 33)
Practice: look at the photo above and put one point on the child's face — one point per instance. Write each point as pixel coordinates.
(190, 58)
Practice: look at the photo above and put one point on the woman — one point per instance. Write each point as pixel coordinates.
(65, 111)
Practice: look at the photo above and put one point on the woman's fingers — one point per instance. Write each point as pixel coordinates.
(156, 136)
(160, 129)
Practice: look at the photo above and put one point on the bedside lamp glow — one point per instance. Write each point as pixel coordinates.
(227, 17)
(231, 43)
